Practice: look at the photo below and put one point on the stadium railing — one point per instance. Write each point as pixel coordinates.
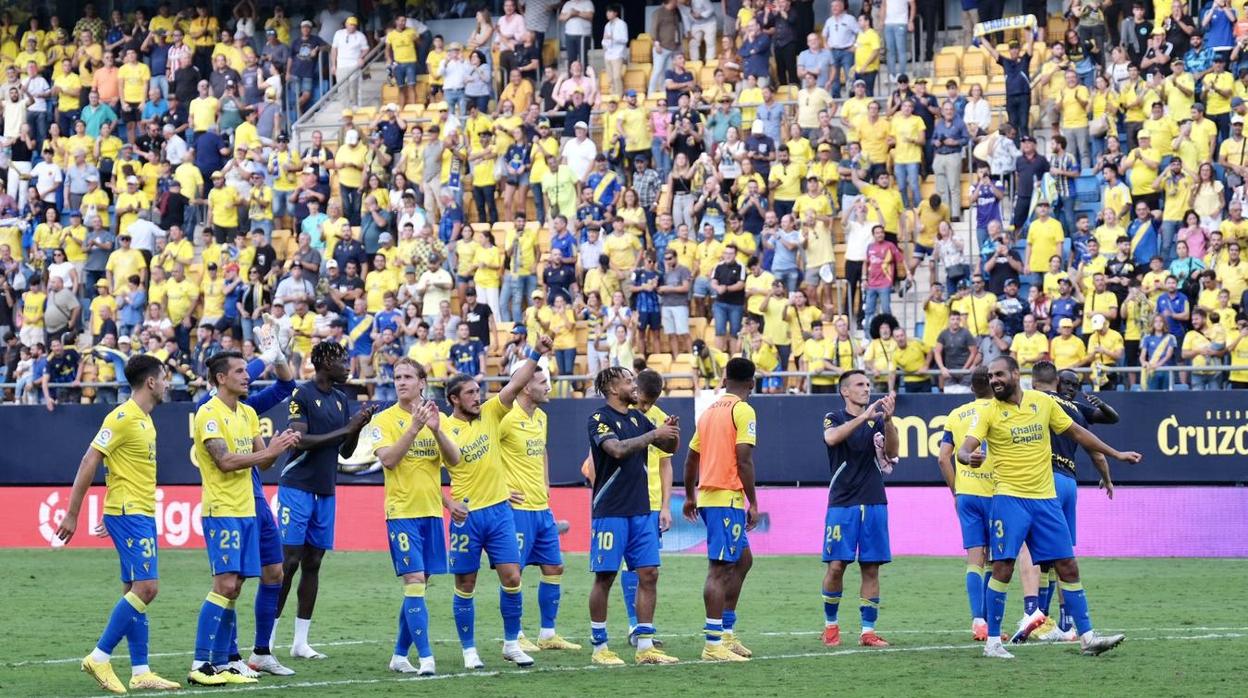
(802, 376)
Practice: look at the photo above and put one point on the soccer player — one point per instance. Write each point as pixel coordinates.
(622, 529)
(522, 447)
(227, 443)
(719, 487)
(305, 494)
(480, 483)
(659, 480)
(862, 448)
(126, 445)
(272, 353)
(409, 442)
(1025, 509)
(1064, 388)
(972, 494)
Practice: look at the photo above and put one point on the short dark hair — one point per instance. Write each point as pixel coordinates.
(1010, 362)
(739, 370)
(219, 363)
(840, 383)
(456, 384)
(649, 383)
(979, 382)
(1044, 372)
(141, 367)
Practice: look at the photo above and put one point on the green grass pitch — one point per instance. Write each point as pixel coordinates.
(1186, 623)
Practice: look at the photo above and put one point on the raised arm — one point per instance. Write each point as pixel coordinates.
(521, 377)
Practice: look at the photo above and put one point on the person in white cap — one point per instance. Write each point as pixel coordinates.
(346, 55)
(454, 72)
(580, 151)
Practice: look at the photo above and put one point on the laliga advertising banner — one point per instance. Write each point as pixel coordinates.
(922, 521)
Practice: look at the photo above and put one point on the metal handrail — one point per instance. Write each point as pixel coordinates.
(357, 75)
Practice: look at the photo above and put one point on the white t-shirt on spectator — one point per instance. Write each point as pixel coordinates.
(857, 238)
(351, 47)
(576, 26)
(48, 178)
(580, 155)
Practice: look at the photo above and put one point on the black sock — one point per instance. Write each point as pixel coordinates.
(260, 650)
(236, 657)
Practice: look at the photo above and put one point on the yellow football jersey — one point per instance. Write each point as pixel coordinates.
(522, 446)
(968, 480)
(479, 479)
(1018, 439)
(225, 494)
(127, 440)
(414, 486)
(654, 460)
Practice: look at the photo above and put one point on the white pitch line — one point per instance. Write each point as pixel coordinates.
(698, 633)
(592, 667)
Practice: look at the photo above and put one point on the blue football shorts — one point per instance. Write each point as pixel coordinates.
(270, 538)
(233, 544)
(726, 538)
(1067, 497)
(417, 545)
(134, 537)
(1040, 523)
(491, 529)
(537, 536)
(974, 513)
(632, 540)
(857, 533)
(305, 518)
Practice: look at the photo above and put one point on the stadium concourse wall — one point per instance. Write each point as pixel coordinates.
(1186, 499)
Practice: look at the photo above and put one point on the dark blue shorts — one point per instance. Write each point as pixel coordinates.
(270, 539)
(1067, 497)
(974, 514)
(134, 537)
(649, 320)
(305, 518)
(857, 533)
(725, 533)
(417, 545)
(537, 536)
(233, 544)
(1040, 523)
(632, 540)
(491, 529)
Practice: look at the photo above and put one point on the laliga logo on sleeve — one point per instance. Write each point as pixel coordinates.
(50, 517)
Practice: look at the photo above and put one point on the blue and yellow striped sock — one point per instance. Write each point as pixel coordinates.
(975, 590)
(628, 584)
(994, 605)
(266, 615)
(511, 608)
(869, 609)
(730, 619)
(831, 606)
(403, 636)
(645, 636)
(1076, 603)
(549, 589)
(465, 618)
(416, 614)
(209, 621)
(713, 630)
(1047, 591)
(137, 637)
(225, 635)
(125, 611)
(597, 634)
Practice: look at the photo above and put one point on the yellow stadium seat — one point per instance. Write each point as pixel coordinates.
(694, 66)
(639, 49)
(706, 76)
(946, 65)
(1056, 27)
(974, 63)
(635, 77)
(550, 52)
(697, 326)
(955, 50)
(981, 80)
(659, 362)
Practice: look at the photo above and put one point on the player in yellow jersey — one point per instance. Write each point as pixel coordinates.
(719, 486)
(480, 483)
(412, 447)
(522, 447)
(126, 446)
(227, 445)
(972, 494)
(1015, 427)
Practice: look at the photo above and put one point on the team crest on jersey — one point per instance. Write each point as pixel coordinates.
(339, 404)
(129, 542)
(318, 403)
(633, 420)
(1005, 414)
(1035, 409)
(871, 423)
(121, 416)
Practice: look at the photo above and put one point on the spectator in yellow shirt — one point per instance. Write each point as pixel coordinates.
(223, 203)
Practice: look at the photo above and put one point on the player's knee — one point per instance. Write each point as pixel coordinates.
(146, 591)
(552, 570)
(311, 564)
(466, 583)
(414, 578)
(1067, 570)
(272, 574)
(648, 576)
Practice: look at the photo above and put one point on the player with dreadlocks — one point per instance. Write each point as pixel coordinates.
(305, 495)
(623, 530)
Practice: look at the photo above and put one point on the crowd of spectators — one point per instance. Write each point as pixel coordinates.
(736, 180)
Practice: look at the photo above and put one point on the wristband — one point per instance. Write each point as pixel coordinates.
(535, 355)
